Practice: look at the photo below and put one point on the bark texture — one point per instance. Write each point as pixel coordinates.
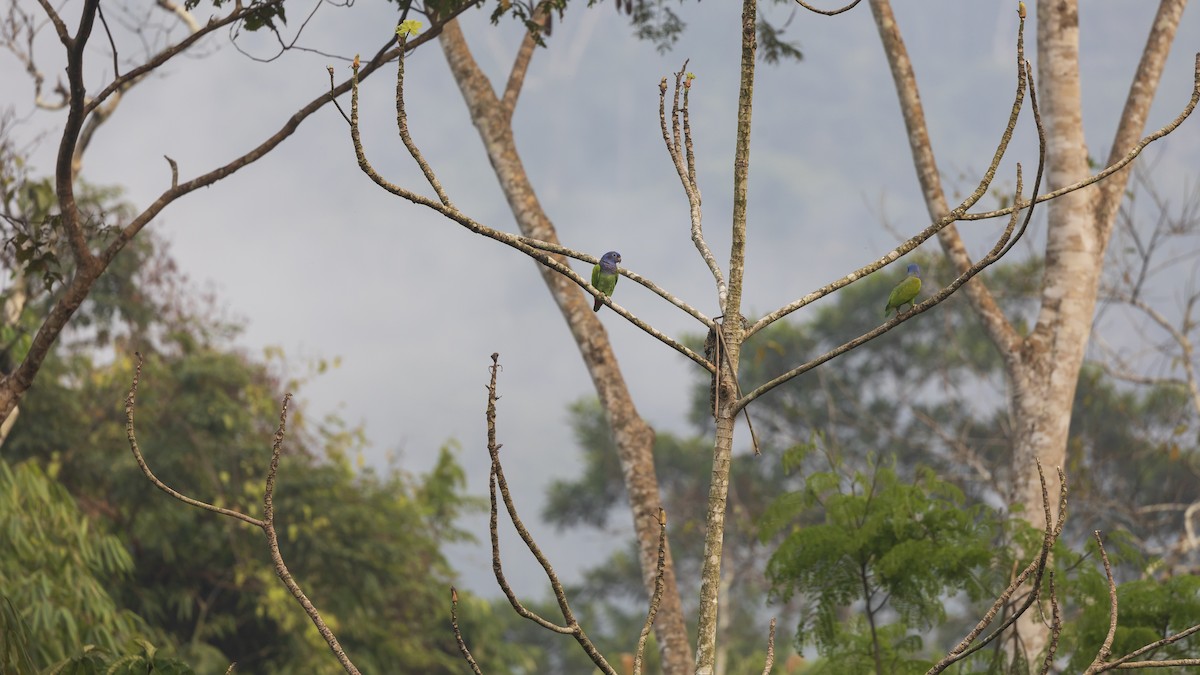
(634, 437)
(733, 331)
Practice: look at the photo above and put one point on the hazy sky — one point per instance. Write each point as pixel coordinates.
(320, 261)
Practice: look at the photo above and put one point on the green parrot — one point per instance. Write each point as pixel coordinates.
(604, 276)
(905, 292)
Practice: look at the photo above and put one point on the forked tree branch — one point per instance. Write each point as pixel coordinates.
(938, 225)
(1003, 245)
(1036, 568)
(497, 480)
(266, 524)
(1114, 166)
(678, 140)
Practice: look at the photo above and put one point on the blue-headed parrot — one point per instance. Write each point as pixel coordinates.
(905, 292)
(604, 276)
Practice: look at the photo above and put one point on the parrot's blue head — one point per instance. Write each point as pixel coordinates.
(914, 270)
(608, 263)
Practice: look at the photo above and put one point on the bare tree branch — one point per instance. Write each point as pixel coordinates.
(937, 226)
(497, 479)
(828, 12)
(685, 165)
(1036, 568)
(402, 125)
(462, 645)
(770, 662)
(1056, 626)
(266, 524)
(1114, 166)
(1002, 246)
(656, 598)
(1105, 650)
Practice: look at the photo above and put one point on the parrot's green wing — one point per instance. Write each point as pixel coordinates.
(605, 283)
(903, 294)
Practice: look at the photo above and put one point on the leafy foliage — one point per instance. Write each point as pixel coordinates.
(56, 571)
(881, 548)
(365, 544)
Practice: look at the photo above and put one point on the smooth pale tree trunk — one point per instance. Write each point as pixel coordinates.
(1043, 367)
(492, 117)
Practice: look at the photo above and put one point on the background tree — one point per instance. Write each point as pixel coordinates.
(1043, 364)
(368, 543)
(940, 406)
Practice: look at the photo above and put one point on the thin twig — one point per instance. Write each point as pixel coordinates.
(1056, 626)
(678, 142)
(1105, 650)
(656, 598)
(462, 645)
(828, 12)
(402, 124)
(771, 642)
(1115, 166)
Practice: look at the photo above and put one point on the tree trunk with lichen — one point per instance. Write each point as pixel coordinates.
(634, 438)
(733, 332)
(1043, 367)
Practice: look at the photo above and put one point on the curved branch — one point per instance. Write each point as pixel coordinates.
(267, 524)
(1115, 166)
(1137, 105)
(656, 597)
(828, 12)
(1105, 650)
(1002, 245)
(130, 402)
(406, 138)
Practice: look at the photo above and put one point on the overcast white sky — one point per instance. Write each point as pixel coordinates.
(320, 261)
